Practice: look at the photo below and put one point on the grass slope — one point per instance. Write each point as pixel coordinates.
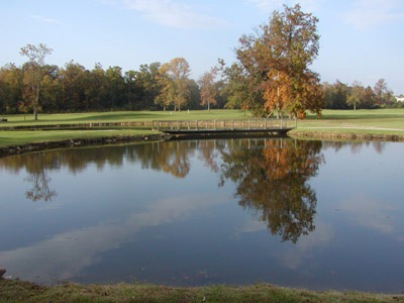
(19, 291)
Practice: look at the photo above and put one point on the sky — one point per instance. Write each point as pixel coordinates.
(361, 40)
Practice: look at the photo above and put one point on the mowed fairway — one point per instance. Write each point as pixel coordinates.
(345, 122)
(359, 122)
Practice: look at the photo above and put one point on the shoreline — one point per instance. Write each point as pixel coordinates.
(76, 142)
(105, 140)
(332, 135)
(22, 291)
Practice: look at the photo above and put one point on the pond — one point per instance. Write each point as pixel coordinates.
(313, 214)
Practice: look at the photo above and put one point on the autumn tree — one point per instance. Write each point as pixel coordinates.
(174, 79)
(33, 73)
(286, 46)
(276, 91)
(208, 90)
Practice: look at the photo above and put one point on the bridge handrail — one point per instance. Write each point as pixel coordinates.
(229, 124)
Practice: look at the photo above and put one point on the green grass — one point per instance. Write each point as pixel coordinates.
(19, 291)
(122, 116)
(13, 138)
(348, 122)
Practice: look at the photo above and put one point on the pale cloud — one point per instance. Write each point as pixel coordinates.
(365, 14)
(301, 254)
(271, 5)
(45, 19)
(370, 213)
(176, 14)
(252, 226)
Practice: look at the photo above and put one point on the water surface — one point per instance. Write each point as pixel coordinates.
(309, 214)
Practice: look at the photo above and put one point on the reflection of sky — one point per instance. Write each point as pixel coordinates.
(65, 254)
(98, 213)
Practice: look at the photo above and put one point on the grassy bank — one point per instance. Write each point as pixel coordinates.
(380, 124)
(18, 291)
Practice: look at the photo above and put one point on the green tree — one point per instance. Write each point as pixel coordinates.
(148, 85)
(234, 87)
(336, 95)
(33, 73)
(115, 85)
(72, 80)
(356, 95)
(288, 44)
(11, 88)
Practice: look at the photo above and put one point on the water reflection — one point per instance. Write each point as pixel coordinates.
(274, 181)
(199, 212)
(271, 175)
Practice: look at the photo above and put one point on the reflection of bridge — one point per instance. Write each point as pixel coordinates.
(273, 127)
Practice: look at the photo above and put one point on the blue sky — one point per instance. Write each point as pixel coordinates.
(361, 40)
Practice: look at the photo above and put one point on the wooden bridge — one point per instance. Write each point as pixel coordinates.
(198, 128)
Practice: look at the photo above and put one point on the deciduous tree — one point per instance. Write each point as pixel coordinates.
(174, 78)
(286, 46)
(208, 90)
(33, 73)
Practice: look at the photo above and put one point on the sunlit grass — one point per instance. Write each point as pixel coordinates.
(123, 116)
(12, 138)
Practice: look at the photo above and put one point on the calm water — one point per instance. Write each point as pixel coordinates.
(309, 214)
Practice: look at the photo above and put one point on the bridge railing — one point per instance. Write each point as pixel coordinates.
(245, 124)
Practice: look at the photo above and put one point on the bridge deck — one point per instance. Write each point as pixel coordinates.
(276, 127)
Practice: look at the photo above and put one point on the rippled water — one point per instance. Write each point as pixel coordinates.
(321, 215)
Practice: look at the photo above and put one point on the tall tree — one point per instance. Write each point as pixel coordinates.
(148, 84)
(208, 90)
(174, 77)
(384, 95)
(356, 95)
(287, 45)
(33, 73)
(11, 88)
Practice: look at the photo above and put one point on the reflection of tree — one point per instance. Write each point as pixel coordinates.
(273, 181)
(36, 167)
(40, 189)
(355, 146)
(271, 175)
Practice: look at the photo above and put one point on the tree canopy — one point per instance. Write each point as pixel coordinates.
(276, 64)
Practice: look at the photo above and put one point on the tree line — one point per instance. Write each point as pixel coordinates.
(356, 96)
(271, 75)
